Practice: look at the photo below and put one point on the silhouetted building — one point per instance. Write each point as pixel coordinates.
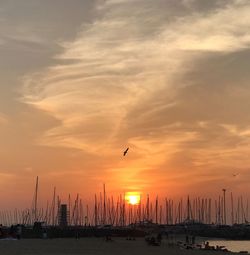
(63, 216)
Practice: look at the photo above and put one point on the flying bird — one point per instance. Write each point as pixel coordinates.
(125, 152)
(234, 175)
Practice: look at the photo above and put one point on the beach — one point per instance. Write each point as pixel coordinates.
(92, 246)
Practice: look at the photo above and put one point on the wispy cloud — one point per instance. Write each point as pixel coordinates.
(3, 119)
(128, 57)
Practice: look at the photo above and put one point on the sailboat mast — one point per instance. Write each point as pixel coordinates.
(36, 195)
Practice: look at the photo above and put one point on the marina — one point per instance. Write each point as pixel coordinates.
(128, 215)
(124, 127)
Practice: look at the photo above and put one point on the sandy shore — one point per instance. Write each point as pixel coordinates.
(91, 246)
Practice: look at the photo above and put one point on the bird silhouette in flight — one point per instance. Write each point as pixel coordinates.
(125, 152)
(234, 175)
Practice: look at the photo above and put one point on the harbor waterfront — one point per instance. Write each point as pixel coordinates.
(131, 209)
(128, 214)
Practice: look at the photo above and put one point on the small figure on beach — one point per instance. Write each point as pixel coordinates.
(18, 231)
(207, 246)
(166, 234)
(77, 235)
(108, 238)
(159, 238)
(12, 232)
(45, 234)
(1, 231)
(130, 238)
(193, 239)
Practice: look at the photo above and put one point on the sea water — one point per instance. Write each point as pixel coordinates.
(231, 245)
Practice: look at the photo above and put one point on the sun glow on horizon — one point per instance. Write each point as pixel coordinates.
(133, 198)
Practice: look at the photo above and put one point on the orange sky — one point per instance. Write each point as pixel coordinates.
(81, 81)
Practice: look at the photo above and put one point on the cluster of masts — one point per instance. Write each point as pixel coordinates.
(107, 210)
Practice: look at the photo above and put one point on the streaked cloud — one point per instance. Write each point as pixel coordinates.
(3, 119)
(114, 58)
(169, 79)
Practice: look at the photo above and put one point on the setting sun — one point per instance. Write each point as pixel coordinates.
(133, 198)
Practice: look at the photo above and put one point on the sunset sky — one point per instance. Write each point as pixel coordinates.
(82, 80)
